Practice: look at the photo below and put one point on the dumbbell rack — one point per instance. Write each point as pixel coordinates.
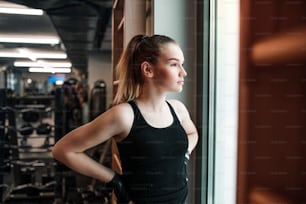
(29, 158)
(29, 166)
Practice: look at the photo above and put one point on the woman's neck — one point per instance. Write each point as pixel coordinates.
(151, 100)
(151, 97)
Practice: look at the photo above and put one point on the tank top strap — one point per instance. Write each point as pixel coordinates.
(137, 113)
(173, 113)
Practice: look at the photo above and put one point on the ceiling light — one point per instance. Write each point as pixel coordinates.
(49, 70)
(32, 54)
(11, 38)
(22, 11)
(43, 63)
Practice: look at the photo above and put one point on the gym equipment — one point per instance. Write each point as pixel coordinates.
(27, 175)
(2, 133)
(31, 190)
(44, 129)
(25, 151)
(30, 115)
(98, 99)
(72, 106)
(59, 114)
(26, 129)
(28, 125)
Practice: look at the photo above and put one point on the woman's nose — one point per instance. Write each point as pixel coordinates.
(183, 71)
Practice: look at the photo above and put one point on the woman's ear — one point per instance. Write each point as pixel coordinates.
(147, 69)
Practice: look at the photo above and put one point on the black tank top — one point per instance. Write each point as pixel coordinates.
(152, 160)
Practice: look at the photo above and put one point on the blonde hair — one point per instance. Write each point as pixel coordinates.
(140, 48)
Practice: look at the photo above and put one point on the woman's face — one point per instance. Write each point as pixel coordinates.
(169, 72)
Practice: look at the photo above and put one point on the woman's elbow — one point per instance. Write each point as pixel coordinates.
(57, 152)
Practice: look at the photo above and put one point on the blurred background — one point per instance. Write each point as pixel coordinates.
(245, 91)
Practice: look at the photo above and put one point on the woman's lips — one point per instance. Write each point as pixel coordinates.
(180, 82)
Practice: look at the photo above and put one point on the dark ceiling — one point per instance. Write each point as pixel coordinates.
(82, 25)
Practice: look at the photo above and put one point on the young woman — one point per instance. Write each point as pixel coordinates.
(154, 136)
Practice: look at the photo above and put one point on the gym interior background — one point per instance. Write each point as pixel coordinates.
(245, 90)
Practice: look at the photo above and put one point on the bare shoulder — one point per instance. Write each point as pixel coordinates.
(117, 120)
(179, 108)
(176, 103)
(122, 115)
(122, 111)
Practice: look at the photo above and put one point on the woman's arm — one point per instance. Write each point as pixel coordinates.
(69, 150)
(186, 123)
